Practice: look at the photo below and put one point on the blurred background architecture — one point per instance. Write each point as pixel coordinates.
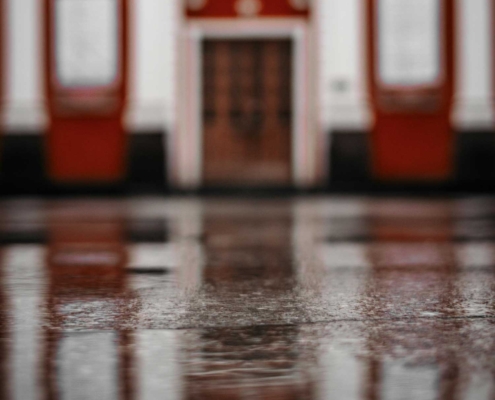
(171, 94)
(246, 297)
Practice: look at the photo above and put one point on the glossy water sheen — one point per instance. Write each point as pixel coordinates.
(316, 298)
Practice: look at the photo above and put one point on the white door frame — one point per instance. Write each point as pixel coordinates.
(187, 145)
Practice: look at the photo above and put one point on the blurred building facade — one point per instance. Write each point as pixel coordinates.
(330, 117)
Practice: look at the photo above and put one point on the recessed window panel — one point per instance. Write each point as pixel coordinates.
(409, 42)
(86, 38)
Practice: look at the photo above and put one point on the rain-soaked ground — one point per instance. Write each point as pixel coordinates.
(304, 298)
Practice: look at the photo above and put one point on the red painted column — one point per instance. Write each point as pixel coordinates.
(86, 70)
(412, 138)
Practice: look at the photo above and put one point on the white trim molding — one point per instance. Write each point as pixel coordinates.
(474, 114)
(148, 116)
(141, 117)
(349, 113)
(24, 117)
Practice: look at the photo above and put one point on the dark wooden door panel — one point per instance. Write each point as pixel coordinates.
(247, 112)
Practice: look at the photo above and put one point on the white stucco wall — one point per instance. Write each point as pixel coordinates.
(339, 23)
(474, 65)
(153, 86)
(24, 109)
(340, 26)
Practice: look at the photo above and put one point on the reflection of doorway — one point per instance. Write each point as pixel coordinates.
(247, 111)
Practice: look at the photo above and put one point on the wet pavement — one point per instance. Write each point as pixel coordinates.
(304, 298)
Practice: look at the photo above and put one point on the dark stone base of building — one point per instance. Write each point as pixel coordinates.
(474, 165)
(22, 168)
(23, 172)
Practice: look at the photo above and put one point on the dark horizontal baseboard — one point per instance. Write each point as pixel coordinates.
(133, 231)
(23, 171)
(23, 160)
(474, 165)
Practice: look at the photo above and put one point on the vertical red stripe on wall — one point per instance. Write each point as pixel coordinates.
(87, 149)
(86, 140)
(411, 147)
(409, 144)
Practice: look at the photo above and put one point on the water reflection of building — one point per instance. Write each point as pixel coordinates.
(86, 268)
(253, 362)
(66, 307)
(414, 314)
(413, 275)
(407, 339)
(249, 266)
(97, 261)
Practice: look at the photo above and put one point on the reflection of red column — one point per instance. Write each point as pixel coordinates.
(373, 378)
(126, 371)
(86, 139)
(86, 262)
(412, 136)
(391, 237)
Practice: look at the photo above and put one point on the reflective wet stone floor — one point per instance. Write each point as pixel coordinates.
(298, 298)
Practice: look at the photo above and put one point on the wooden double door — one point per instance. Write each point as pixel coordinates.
(247, 112)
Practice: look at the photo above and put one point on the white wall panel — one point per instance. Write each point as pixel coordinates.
(342, 59)
(24, 65)
(474, 64)
(154, 58)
